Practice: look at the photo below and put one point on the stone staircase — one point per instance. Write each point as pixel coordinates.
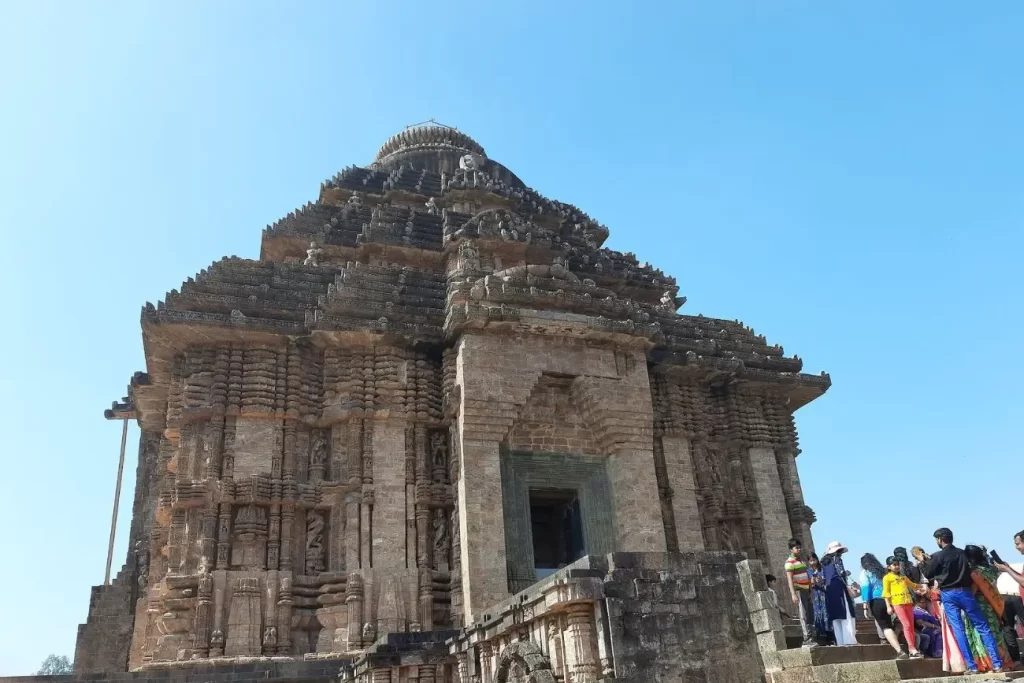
(861, 664)
(869, 661)
(866, 634)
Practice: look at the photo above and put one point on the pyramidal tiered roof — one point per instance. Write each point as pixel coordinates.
(433, 238)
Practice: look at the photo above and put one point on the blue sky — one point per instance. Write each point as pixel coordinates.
(845, 179)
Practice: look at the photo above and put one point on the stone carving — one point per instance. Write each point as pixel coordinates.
(355, 200)
(313, 255)
(217, 643)
(245, 619)
(469, 256)
(318, 457)
(249, 549)
(442, 541)
(523, 662)
(439, 456)
(270, 636)
(142, 560)
(315, 541)
(432, 207)
(471, 162)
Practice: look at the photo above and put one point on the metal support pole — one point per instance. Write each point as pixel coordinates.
(117, 500)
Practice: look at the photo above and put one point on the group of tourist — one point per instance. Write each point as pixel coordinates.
(944, 604)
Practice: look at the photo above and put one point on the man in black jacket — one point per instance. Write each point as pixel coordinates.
(949, 569)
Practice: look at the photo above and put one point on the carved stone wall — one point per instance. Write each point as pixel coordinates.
(625, 616)
(292, 474)
(724, 453)
(552, 421)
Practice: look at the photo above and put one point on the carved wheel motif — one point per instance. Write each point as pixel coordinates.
(523, 662)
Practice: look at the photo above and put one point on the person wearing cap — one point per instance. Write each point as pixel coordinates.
(839, 594)
(951, 572)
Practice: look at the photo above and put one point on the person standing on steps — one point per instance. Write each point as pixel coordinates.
(908, 570)
(1018, 542)
(932, 593)
(949, 569)
(822, 624)
(898, 594)
(839, 594)
(991, 604)
(872, 590)
(800, 590)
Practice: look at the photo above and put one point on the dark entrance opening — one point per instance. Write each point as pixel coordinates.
(557, 529)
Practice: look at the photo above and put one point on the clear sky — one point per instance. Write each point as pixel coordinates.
(846, 180)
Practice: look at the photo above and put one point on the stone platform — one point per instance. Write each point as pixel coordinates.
(272, 671)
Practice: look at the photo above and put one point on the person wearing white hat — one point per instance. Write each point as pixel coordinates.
(839, 594)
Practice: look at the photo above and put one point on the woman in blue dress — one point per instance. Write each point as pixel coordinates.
(822, 624)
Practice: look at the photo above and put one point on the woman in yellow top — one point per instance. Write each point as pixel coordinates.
(898, 593)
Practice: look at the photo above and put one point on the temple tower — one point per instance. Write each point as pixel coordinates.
(432, 389)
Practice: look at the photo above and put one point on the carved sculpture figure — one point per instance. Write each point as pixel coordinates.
(469, 255)
(439, 456)
(315, 541)
(470, 162)
(441, 539)
(313, 255)
(318, 457)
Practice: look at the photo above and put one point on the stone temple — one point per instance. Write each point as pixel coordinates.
(438, 433)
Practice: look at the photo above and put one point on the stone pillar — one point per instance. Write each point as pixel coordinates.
(245, 619)
(426, 600)
(354, 607)
(274, 542)
(389, 495)
(201, 641)
(221, 597)
(638, 523)
(287, 526)
(270, 634)
(683, 482)
(284, 616)
(774, 514)
(224, 536)
(481, 527)
(790, 478)
(622, 415)
(486, 665)
(581, 643)
(352, 513)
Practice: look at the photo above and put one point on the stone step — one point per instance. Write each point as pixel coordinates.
(860, 664)
(794, 637)
(845, 654)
